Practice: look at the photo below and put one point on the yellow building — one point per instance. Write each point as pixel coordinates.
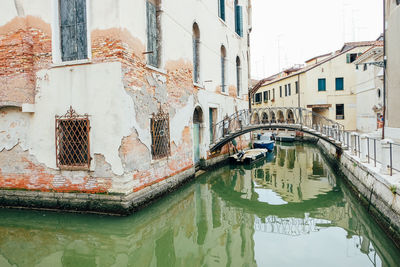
(326, 85)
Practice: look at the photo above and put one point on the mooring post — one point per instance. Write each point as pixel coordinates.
(385, 156)
(353, 143)
(364, 148)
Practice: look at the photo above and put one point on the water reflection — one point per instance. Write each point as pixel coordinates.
(288, 210)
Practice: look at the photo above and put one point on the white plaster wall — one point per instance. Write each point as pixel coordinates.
(94, 89)
(367, 84)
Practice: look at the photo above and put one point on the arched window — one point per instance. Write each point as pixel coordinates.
(223, 68)
(196, 53)
(238, 76)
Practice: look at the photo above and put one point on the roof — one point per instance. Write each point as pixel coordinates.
(358, 44)
(324, 55)
(346, 48)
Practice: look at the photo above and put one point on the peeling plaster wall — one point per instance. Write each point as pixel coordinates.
(118, 91)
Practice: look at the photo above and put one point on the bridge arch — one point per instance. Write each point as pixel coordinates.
(280, 116)
(264, 118)
(255, 118)
(290, 116)
(271, 118)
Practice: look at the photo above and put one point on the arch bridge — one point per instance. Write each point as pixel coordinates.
(274, 118)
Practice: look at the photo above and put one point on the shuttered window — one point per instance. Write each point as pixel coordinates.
(321, 85)
(221, 9)
(73, 29)
(339, 84)
(238, 19)
(152, 35)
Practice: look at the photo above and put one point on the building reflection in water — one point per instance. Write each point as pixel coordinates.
(223, 219)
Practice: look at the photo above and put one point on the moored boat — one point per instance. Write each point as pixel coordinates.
(249, 156)
(265, 141)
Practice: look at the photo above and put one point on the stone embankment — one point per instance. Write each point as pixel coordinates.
(377, 190)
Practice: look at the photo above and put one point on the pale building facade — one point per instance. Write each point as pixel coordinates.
(369, 90)
(115, 96)
(326, 85)
(392, 118)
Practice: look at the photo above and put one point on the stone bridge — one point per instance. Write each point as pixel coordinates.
(290, 118)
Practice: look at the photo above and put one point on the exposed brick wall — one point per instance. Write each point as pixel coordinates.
(25, 47)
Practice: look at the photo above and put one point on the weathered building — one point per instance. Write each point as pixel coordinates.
(115, 96)
(392, 36)
(326, 85)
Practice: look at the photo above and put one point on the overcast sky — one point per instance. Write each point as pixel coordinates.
(288, 32)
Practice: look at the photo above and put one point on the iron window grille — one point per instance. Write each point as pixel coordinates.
(160, 138)
(72, 141)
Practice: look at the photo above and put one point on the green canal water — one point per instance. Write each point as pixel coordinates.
(288, 210)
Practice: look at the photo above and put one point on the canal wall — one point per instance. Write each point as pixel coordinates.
(106, 203)
(373, 189)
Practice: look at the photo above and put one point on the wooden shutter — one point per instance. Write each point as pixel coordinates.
(239, 21)
(73, 29)
(347, 58)
(152, 34)
(81, 32)
(195, 60)
(222, 9)
(223, 73)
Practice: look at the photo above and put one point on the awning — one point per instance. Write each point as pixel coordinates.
(319, 106)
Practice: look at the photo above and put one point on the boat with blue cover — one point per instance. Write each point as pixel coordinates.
(264, 141)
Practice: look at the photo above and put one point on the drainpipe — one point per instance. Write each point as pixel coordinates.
(384, 70)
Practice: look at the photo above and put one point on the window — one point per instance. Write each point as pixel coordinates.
(339, 85)
(153, 40)
(238, 19)
(72, 141)
(296, 85)
(289, 89)
(238, 76)
(280, 91)
(223, 68)
(269, 94)
(265, 96)
(273, 93)
(350, 58)
(160, 145)
(258, 97)
(398, 2)
(286, 90)
(73, 30)
(321, 84)
(340, 111)
(196, 53)
(365, 67)
(221, 9)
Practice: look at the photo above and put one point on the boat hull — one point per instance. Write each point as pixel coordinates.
(266, 145)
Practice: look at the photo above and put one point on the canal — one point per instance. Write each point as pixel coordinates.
(288, 210)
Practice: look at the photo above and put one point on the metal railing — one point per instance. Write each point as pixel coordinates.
(305, 120)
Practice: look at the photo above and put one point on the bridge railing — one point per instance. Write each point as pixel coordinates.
(295, 117)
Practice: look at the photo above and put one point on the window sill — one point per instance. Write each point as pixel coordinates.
(71, 63)
(225, 93)
(223, 21)
(156, 69)
(199, 85)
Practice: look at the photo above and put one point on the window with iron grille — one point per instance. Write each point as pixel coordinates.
(72, 141)
(160, 146)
